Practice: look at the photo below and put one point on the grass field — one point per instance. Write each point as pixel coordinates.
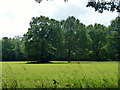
(60, 74)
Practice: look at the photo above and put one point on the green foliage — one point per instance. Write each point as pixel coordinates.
(70, 27)
(12, 49)
(43, 39)
(113, 5)
(62, 40)
(19, 51)
(49, 39)
(114, 39)
(98, 37)
(61, 75)
(8, 52)
(100, 6)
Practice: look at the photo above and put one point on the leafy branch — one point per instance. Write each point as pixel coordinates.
(100, 6)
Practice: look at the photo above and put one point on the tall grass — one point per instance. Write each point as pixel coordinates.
(60, 75)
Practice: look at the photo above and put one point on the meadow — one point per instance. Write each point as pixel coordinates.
(60, 74)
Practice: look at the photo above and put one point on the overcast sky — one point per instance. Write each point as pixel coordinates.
(15, 15)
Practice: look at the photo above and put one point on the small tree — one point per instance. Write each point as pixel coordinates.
(8, 52)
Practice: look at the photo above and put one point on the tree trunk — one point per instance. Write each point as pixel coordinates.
(97, 55)
(69, 55)
(118, 45)
(42, 52)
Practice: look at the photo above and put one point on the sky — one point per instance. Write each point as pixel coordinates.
(15, 15)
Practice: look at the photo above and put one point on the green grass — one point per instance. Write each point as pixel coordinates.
(73, 75)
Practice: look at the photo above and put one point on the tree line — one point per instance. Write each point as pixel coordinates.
(49, 39)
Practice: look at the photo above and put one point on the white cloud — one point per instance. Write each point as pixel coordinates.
(15, 15)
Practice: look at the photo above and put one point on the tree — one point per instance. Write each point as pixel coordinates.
(8, 52)
(114, 39)
(76, 39)
(35, 39)
(70, 27)
(98, 37)
(17, 41)
(113, 5)
(12, 49)
(112, 46)
(41, 39)
(82, 42)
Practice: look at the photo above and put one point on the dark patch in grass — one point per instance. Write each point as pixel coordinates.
(74, 84)
(68, 85)
(36, 62)
(54, 81)
(42, 85)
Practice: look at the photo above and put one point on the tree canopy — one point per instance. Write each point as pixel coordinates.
(12, 49)
(49, 39)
